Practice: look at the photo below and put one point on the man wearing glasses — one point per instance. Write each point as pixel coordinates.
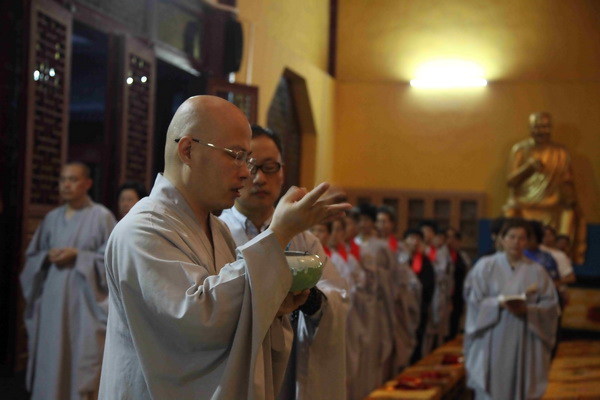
(187, 320)
(317, 366)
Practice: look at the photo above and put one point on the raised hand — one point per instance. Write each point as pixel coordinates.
(298, 210)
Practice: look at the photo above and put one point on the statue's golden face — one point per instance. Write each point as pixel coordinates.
(541, 128)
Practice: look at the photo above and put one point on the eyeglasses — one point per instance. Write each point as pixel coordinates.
(241, 157)
(270, 167)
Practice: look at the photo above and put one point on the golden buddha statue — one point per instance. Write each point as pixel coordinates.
(540, 182)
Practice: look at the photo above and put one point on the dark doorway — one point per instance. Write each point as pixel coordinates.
(173, 87)
(283, 119)
(89, 139)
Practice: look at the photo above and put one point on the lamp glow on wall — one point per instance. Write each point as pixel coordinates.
(448, 74)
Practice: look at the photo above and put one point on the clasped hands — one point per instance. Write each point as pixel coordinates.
(63, 256)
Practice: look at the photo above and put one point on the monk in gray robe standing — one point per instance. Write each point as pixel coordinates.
(191, 316)
(512, 311)
(382, 325)
(317, 367)
(66, 294)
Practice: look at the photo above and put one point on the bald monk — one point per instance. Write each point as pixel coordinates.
(540, 180)
(190, 316)
(66, 294)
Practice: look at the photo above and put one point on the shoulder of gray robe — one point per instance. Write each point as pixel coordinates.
(187, 321)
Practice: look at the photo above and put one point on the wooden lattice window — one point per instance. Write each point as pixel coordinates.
(49, 101)
(138, 118)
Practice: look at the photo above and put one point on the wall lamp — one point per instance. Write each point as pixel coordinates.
(448, 74)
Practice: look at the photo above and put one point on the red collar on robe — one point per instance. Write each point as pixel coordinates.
(393, 243)
(327, 251)
(431, 253)
(341, 248)
(453, 255)
(417, 262)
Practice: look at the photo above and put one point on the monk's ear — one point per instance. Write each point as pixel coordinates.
(184, 150)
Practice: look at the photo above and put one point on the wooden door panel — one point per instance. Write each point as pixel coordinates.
(137, 119)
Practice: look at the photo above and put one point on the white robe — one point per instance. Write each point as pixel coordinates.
(319, 370)
(565, 267)
(507, 356)
(187, 321)
(66, 307)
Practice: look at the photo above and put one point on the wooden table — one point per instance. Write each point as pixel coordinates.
(437, 376)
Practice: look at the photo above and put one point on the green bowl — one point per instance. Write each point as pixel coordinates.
(306, 269)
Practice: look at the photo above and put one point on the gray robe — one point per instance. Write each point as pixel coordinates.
(381, 320)
(351, 271)
(438, 324)
(408, 312)
(318, 369)
(66, 307)
(363, 333)
(188, 321)
(508, 357)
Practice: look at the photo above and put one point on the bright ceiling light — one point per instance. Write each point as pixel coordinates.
(449, 73)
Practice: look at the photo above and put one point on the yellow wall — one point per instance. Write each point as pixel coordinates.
(292, 34)
(538, 55)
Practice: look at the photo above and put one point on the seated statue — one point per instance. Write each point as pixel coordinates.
(541, 185)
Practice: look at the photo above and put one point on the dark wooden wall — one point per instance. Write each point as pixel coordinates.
(35, 79)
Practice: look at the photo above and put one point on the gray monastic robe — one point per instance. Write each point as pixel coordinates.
(507, 356)
(319, 370)
(66, 307)
(377, 259)
(351, 271)
(438, 325)
(408, 312)
(188, 321)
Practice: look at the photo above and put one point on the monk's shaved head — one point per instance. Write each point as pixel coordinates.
(84, 167)
(201, 117)
(207, 176)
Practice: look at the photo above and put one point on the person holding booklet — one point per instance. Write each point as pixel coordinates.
(512, 310)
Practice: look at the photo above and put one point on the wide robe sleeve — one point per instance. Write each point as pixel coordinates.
(321, 374)
(35, 269)
(90, 252)
(197, 329)
(543, 311)
(483, 313)
(485, 309)
(32, 280)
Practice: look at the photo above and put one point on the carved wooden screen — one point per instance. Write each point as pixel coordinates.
(243, 96)
(47, 120)
(283, 119)
(136, 139)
